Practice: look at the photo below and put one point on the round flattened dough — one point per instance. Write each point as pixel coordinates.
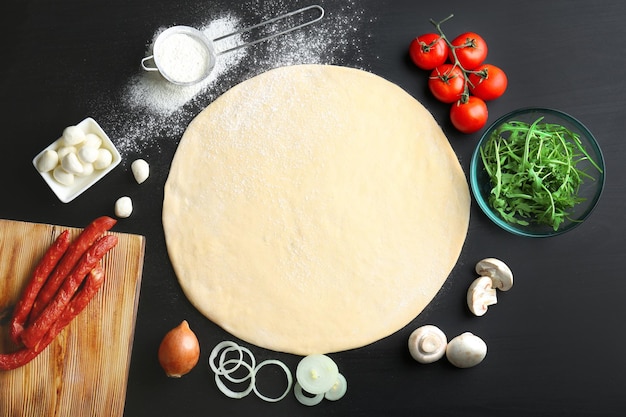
(314, 209)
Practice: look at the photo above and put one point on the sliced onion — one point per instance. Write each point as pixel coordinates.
(287, 373)
(218, 369)
(224, 368)
(305, 399)
(236, 394)
(316, 374)
(338, 390)
(228, 371)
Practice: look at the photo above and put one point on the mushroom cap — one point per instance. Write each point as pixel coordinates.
(480, 295)
(427, 344)
(466, 350)
(498, 271)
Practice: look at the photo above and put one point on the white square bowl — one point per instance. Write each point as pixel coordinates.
(67, 193)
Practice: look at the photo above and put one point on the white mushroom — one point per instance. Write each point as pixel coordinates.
(481, 295)
(427, 344)
(498, 271)
(466, 350)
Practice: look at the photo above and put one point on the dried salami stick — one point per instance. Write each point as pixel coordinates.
(35, 330)
(83, 296)
(84, 240)
(45, 267)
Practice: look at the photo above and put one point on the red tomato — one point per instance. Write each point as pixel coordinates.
(447, 83)
(487, 82)
(428, 51)
(470, 50)
(469, 117)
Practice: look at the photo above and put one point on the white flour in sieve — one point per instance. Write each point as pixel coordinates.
(151, 93)
(151, 112)
(183, 58)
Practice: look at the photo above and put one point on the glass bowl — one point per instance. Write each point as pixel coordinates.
(528, 189)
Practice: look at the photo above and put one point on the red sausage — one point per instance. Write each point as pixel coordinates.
(36, 330)
(84, 240)
(83, 296)
(42, 271)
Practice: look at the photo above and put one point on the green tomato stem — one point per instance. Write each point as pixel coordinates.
(457, 63)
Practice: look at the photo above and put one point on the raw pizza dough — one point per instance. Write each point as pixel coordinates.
(314, 209)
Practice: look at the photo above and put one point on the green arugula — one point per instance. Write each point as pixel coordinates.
(533, 171)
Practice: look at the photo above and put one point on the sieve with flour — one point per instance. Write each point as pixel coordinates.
(183, 55)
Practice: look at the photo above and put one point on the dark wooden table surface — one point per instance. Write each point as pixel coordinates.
(556, 340)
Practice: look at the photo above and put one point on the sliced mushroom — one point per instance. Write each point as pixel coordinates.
(498, 271)
(427, 344)
(466, 350)
(481, 295)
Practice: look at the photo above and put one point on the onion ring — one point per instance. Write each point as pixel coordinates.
(287, 373)
(303, 399)
(236, 394)
(228, 371)
(216, 351)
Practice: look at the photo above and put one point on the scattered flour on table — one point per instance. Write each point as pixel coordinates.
(152, 111)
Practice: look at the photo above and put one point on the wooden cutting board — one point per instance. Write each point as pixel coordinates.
(84, 372)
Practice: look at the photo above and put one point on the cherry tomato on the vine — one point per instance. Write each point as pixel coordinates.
(447, 83)
(469, 116)
(470, 49)
(428, 51)
(487, 82)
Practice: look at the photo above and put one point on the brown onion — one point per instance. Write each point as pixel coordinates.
(179, 351)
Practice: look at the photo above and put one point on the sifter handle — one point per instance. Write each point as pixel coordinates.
(275, 19)
(143, 63)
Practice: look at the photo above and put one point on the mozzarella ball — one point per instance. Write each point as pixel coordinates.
(87, 170)
(141, 170)
(88, 154)
(123, 207)
(73, 135)
(92, 139)
(104, 159)
(64, 150)
(62, 176)
(48, 161)
(71, 164)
